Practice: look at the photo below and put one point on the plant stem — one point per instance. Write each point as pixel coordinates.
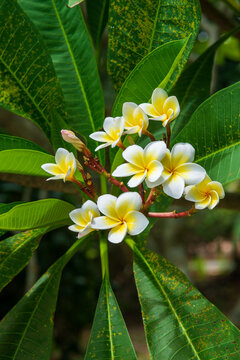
(150, 135)
(83, 188)
(120, 145)
(168, 135)
(151, 198)
(104, 257)
(172, 214)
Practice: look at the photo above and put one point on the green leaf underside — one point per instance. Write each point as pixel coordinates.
(25, 162)
(36, 214)
(179, 322)
(8, 142)
(29, 86)
(214, 132)
(6, 207)
(16, 252)
(138, 27)
(26, 331)
(97, 12)
(72, 3)
(193, 86)
(149, 73)
(72, 54)
(109, 338)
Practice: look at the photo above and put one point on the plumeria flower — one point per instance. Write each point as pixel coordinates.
(111, 136)
(83, 218)
(64, 168)
(136, 121)
(163, 108)
(179, 170)
(143, 164)
(205, 194)
(121, 215)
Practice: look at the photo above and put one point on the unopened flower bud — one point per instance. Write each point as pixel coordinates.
(71, 138)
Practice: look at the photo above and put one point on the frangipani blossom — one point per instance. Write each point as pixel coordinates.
(64, 168)
(121, 215)
(143, 164)
(163, 108)
(136, 121)
(83, 218)
(113, 129)
(205, 194)
(179, 170)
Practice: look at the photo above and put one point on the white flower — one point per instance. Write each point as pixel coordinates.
(136, 121)
(179, 170)
(64, 168)
(83, 218)
(142, 164)
(121, 215)
(163, 108)
(113, 129)
(205, 194)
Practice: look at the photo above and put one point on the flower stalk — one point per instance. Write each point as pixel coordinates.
(172, 214)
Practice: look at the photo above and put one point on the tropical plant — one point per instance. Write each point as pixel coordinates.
(49, 74)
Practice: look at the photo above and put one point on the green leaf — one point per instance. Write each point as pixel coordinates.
(36, 214)
(97, 12)
(138, 27)
(150, 73)
(28, 83)
(180, 323)
(193, 87)
(73, 58)
(13, 142)
(214, 132)
(109, 338)
(16, 252)
(26, 331)
(57, 141)
(6, 207)
(72, 3)
(25, 162)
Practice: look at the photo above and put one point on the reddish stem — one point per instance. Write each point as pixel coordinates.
(120, 145)
(83, 188)
(115, 182)
(142, 193)
(151, 198)
(172, 214)
(150, 135)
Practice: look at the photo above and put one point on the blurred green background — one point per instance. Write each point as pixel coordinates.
(206, 246)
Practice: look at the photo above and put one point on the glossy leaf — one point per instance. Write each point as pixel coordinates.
(72, 54)
(26, 331)
(24, 161)
(97, 12)
(214, 132)
(158, 67)
(109, 338)
(180, 323)
(72, 3)
(6, 207)
(36, 214)
(138, 27)
(13, 142)
(16, 252)
(28, 83)
(193, 87)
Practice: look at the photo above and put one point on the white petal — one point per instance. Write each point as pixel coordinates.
(90, 206)
(60, 155)
(174, 186)
(134, 155)
(214, 199)
(203, 204)
(75, 228)
(158, 98)
(193, 194)
(159, 118)
(117, 234)
(136, 222)
(155, 150)
(149, 109)
(113, 125)
(182, 153)
(107, 205)
(217, 186)
(153, 184)
(57, 177)
(103, 146)
(80, 217)
(127, 202)
(104, 223)
(173, 104)
(100, 136)
(192, 173)
(131, 130)
(52, 169)
(155, 170)
(126, 170)
(137, 179)
(71, 161)
(128, 109)
(85, 231)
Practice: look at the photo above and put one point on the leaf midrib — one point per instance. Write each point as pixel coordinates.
(74, 64)
(154, 26)
(109, 319)
(218, 151)
(168, 301)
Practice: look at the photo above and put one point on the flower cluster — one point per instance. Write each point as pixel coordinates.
(151, 169)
